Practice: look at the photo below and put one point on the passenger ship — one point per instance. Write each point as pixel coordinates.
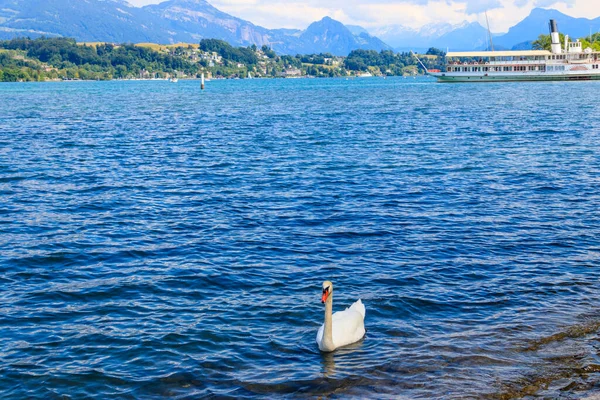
(570, 63)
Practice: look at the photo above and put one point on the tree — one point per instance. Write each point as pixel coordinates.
(435, 52)
(121, 71)
(72, 73)
(595, 46)
(585, 44)
(238, 54)
(355, 65)
(10, 75)
(544, 42)
(268, 52)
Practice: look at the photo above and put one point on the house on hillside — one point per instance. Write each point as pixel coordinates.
(292, 73)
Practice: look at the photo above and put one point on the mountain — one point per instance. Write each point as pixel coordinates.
(527, 45)
(473, 36)
(193, 20)
(331, 36)
(466, 36)
(171, 21)
(404, 38)
(175, 21)
(537, 23)
(356, 30)
(90, 20)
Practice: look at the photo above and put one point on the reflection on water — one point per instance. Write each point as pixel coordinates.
(328, 360)
(347, 356)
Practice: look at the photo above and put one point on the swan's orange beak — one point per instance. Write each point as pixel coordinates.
(325, 295)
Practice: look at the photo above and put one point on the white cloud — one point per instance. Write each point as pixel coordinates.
(375, 13)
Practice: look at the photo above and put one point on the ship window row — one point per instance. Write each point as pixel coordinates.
(468, 69)
(517, 68)
(595, 66)
(519, 58)
(555, 67)
(486, 60)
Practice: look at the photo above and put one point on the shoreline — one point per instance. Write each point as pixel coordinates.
(220, 79)
(349, 77)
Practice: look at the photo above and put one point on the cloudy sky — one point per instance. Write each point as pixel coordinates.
(376, 13)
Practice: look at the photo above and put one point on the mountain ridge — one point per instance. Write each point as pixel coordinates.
(536, 23)
(468, 36)
(175, 21)
(171, 21)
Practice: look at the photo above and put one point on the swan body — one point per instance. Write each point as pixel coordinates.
(343, 327)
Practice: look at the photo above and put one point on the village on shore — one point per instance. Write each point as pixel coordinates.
(52, 59)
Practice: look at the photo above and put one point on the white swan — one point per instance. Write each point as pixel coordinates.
(343, 327)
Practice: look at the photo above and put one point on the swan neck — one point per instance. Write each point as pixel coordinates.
(328, 330)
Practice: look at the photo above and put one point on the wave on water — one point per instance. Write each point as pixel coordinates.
(160, 242)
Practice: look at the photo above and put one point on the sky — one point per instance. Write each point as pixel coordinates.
(372, 14)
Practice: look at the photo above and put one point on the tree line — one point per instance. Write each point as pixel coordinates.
(68, 60)
(391, 63)
(544, 42)
(25, 59)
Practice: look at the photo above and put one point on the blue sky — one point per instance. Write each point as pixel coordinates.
(377, 13)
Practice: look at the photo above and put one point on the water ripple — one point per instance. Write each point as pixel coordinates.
(158, 241)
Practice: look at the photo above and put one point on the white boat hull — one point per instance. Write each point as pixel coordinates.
(446, 77)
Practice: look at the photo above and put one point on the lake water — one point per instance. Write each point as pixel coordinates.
(157, 241)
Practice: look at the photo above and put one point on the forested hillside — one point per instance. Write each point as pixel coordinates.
(41, 59)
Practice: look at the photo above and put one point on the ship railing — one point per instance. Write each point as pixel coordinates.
(488, 63)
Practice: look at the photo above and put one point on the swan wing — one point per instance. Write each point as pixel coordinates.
(320, 335)
(348, 325)
(359, 307)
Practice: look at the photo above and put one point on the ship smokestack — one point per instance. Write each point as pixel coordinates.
(556, 47)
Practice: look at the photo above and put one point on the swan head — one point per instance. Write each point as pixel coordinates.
(327, 290)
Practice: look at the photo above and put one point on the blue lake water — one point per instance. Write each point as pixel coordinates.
(157, 241)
